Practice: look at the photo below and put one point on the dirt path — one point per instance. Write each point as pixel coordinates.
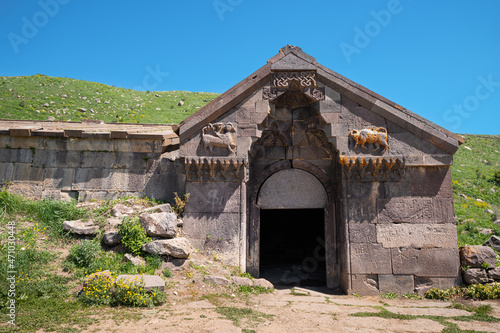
(283, 311)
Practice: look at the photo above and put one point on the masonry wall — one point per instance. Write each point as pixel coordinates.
(89, 167)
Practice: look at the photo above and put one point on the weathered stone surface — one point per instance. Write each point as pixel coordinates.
(493, 242)
(362, 233)
(361, 211)
(422, 284)
(159, 224)
(111, 238)
(176, 247)
(147, 281)
(158, 209)
(365, 285)
(494, 273)
(399, 284)
(415, 210)
(430, 182)
(213, 197)
(217, 280)
(119, 210)
(263, 283)
(476, 275)
(370, 258)
(417, 235)
(241, 281)
(476, 255)
(292, 188)
(113, 223)
(425, 262)
(80, 228)
(136, 261)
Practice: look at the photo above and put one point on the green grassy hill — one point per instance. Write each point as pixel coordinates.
(476, 189)
(38, 97)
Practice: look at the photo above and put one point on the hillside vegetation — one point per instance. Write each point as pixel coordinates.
(39, 96)
(476, 189)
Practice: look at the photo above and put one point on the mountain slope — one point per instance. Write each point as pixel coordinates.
(38, 97)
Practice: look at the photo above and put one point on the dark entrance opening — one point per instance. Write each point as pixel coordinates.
(292, 251)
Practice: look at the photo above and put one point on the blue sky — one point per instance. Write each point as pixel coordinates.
(440, 60)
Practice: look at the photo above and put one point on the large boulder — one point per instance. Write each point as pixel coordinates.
(176, 247)
(241, 281)
(476, 275)
(217, 280)
(263, 283)
(493, 242)
(81, 228)
(476, 255)
(159, 224)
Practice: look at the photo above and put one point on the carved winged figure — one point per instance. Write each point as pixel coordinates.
(218, 135)
(375, 135)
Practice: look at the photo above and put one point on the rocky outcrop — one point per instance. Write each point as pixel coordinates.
(111, 238)
(147, 281)
(476, 255)
(159, 224)
(176, 247)
(119, 210)
(81, 228)
(493, 242)
(136, 261)
(476, 275)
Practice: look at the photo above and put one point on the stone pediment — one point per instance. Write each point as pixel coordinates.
(288, 68)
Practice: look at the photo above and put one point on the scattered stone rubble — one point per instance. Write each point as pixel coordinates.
(479, 263)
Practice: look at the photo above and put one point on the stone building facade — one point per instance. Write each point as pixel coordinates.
(297, 170)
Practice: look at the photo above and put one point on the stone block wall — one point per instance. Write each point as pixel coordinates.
(402, 234)
(76, 164)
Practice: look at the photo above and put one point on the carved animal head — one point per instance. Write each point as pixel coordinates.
(208, 128)
(354, 133)
(229, 128)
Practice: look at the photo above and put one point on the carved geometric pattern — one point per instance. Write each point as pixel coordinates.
(372, 168)
(294, 80)
(211, 169)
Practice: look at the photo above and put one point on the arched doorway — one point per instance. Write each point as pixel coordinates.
(291, 230)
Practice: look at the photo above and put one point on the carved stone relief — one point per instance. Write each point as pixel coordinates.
(373, 135)
(372, 168)
(218, 135)
(294, 89)
(210, 169)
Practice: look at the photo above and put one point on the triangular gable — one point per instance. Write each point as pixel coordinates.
(293, 58)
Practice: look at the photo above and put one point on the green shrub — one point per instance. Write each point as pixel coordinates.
(180, 203)
(496, 177)
(476, 291)
(167, 273)
(84, 253)
(133, 235)
(103, 289)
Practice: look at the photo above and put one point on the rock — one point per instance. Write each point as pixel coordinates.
(468, 148)
(106, 102)
(497, 222)
(158, 209)
(147, 281)
(263, 283)
(494, 273)
(50, 118)
(476, 255)
(180, 223)
(479, 200)
(176, 247)
(82, 109)
(111, 238)
(463, 196)
(469, 221)
(181, 103)
(493, 242)
(136, 261)
(93, 276)
(121, 210)
(64, 96)
(217, 280)
(113, 223)
(89, 205)
(475, 275)
(241, 281)
(176, 264)
(485, 231)
(45, 105)
(159, 224)
(81, 228)
(489, 211)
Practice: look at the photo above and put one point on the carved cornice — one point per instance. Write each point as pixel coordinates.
(385, 168)
(211, 169)
(294, 80)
